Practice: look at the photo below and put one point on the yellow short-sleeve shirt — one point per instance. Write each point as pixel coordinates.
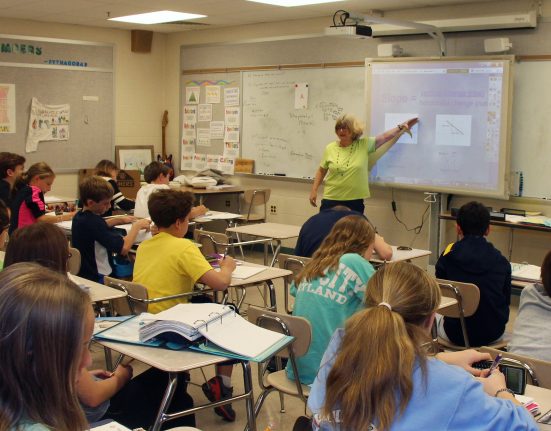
(167, 265)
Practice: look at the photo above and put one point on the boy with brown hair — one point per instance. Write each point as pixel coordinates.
(93, 236)
(11, 168)
(168, 264)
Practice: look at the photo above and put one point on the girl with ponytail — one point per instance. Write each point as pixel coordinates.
(375, 374)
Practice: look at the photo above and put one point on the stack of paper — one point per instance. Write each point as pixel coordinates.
(525, 272)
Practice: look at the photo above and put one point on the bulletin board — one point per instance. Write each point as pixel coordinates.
(210, 121)
(59, 72)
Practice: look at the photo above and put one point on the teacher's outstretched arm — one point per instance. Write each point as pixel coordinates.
(395, 132)
(320, 175)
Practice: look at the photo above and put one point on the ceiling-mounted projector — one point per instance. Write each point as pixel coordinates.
(355, 31)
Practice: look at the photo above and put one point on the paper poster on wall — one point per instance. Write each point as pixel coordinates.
(231, 115)
(203, 137)
(190, 114)
(192, 95)
(188, 130)
(7, 108)
(188, 145)
(216, 130)
(212, 161)
(199, 162)
(231, 149)
(231, 134)
(47, 123)
(226, 165)
(231, 96)
(186, 163)
(301, 95)
(212, 94)
(205, 112)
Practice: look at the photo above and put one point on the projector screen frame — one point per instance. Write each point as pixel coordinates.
(502, 190)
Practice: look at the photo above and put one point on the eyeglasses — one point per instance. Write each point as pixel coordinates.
(337, 128)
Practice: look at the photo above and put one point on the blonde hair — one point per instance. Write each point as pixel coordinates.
(41, 170)
(105, 167)
(351, 123)
(371, 380)
(351, 234)
(42, 318)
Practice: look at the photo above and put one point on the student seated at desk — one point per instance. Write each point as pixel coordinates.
(331, 286)
(102, 394)
(473, 259)
(93, 237)
(107, 170)
(375, 373)
(28, 206)
(156, 174)
(168, 264)
(531, 335)
(46, 324)
(11, 169)
(317, 227)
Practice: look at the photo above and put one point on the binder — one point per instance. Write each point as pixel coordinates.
(216, 329)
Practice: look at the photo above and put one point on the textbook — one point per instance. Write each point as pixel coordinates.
(183, 326)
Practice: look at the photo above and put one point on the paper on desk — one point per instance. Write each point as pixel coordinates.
(243, 272)
(525, 272)
(142, 234)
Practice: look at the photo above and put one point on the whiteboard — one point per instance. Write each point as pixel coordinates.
(285, 140)
(531, 129)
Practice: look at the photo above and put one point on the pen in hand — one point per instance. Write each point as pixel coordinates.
(496, 362)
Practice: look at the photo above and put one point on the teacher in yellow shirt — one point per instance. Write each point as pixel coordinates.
(345, 164)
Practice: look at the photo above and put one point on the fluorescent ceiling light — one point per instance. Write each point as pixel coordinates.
(158, 17)
(291, 3)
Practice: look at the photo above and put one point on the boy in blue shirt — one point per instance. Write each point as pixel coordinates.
(93, 236)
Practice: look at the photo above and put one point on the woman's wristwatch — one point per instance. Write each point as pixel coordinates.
(401, 127)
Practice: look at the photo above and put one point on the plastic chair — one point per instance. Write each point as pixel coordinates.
(295, 264)
(467, 296)
(538, 370)
(73, 264)
(254, 198)
(137, 298)
(297, 327)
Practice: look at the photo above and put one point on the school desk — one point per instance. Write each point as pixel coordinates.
(266, 276)
(276, 231)
(232, 193)
(179, 361)
(543, 397)
(401, 255)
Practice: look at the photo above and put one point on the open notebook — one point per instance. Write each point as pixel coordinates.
(226, 332)
(525, 272)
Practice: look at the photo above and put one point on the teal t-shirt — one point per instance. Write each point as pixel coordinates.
(347, 175)
(327, 302)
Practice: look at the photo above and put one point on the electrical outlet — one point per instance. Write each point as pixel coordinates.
(273, 209)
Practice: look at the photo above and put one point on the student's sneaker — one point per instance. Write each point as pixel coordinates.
(215, 390)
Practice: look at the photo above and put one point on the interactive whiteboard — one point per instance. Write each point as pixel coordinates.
(461, 143)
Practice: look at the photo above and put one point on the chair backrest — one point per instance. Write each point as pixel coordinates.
(256, 197)
(295, 326)
(538, 370)
(211, 242)
(73, 264)
(292, 263)
(466, 294)
(128, 305)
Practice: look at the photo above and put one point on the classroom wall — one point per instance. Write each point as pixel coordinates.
(146, 84)
(291, 197)
(139, 85)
